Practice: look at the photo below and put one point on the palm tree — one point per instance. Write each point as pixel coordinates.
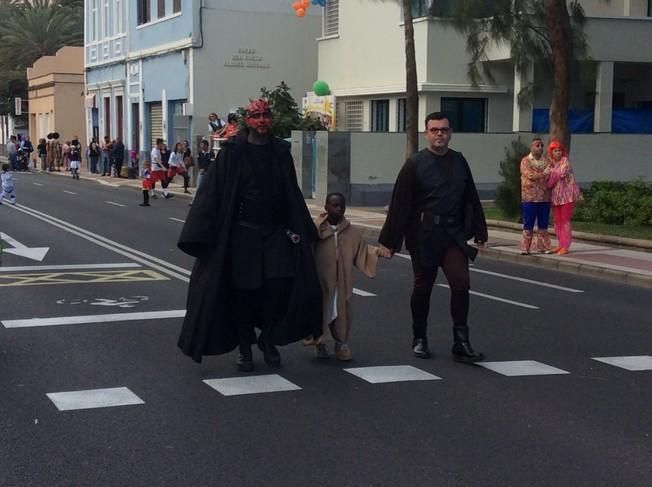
(38, 28)
(411, 88)
(548, 33)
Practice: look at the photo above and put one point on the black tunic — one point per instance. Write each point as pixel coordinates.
(434, 204)
(209, 327)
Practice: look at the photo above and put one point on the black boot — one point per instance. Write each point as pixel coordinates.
(420, 348)
(245, 361)
(462, 350)
(270, 353)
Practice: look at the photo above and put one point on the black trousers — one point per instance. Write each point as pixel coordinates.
(261, 308)
(456, 268)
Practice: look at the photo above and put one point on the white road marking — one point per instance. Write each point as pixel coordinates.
(395, 373)
(21, 250)
(38, 184)
(88, 319)
(633, 363)
(95, 398)
(69, 192)
(529, 281)
(496, 298)
(257, 384)
(115, 204)
(518, 368)
(362, 293)
(133, 254)
(68, 267)
(177, 220)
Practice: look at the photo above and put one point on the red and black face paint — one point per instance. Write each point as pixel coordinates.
(259, 115)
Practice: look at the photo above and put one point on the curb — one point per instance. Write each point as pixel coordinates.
(562, 265)
(589, 237)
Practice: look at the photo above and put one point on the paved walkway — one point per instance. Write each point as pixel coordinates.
(629, 265)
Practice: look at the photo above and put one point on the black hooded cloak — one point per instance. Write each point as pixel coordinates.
(209, 327)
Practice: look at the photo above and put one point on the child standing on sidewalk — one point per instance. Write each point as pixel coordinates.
(7, 186)
(147, 183)
(339, 248)
(74, 154)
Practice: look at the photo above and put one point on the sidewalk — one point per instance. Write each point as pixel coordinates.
(591, 257)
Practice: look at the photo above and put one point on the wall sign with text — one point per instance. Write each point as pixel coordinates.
(246, 58)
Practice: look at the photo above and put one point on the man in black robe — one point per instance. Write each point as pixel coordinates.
(252, 235)
(436, 208)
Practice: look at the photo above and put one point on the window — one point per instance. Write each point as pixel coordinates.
(93, 26)
(161, 9)
(465, 114)
(332, 18)
(349, 116)
(176, 6)
(401, 109)
(649, 8)
(107, 116)
(107, 25)
(421, 8)
(118, 17)
(380, 115)
(143, 11)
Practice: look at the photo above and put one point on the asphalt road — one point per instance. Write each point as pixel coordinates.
(588, 423)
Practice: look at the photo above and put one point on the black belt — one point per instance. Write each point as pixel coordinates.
(432, 219)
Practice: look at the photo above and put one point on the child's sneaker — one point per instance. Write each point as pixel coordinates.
(342, 352)
(321, 350)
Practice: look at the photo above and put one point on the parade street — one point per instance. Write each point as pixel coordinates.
(94, 391)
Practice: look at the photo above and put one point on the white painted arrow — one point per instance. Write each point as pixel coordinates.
(34, 253)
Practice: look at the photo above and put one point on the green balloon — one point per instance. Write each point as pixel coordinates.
(321, 88)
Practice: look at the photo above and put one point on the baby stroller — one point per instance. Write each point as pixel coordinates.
(22, 160)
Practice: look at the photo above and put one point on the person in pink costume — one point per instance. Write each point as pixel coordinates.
(565, 192)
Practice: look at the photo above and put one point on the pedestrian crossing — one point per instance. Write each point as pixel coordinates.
(275, 383)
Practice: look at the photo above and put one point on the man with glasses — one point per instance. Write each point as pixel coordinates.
(435, 207)
(251, 233)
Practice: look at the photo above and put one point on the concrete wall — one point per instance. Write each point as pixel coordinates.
(615, 8)
(374, 161)
(273, 43)
(172, 28)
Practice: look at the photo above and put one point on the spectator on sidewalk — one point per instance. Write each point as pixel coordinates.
(42, 149)
(565, 192)
(232, 126)
(12, 152)
(28, 148)
(106, 147)
(94, 153)
(215, 124)
(65, 155)
(118, 156)
(535, 198)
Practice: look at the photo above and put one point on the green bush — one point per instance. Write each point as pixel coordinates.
(508, 192)
(617, 203)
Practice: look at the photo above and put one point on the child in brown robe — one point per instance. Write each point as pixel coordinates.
(339, 248)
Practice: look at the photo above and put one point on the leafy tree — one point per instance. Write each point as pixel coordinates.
(508, 192)
(548, 33)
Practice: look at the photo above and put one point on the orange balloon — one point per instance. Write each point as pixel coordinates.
(305, 4)
(296, 5)
(301, 12)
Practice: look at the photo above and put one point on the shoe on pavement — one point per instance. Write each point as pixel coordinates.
(553, 251)
(271, 354)
(168, 196)
(562, 251)
(144, 204)
(245, 362)
(462, 350)
(342, 352)
(420, 348)
(321, 350)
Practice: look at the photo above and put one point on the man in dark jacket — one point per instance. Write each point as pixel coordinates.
(436, 208)
(251, 233)
(118, 155)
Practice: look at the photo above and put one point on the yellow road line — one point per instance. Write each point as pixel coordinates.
(50, 278)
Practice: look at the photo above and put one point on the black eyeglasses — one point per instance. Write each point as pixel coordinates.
(441, 130)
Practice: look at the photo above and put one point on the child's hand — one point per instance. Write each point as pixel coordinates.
(385, 252)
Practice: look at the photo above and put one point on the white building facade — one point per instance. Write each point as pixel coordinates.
(364, 64)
